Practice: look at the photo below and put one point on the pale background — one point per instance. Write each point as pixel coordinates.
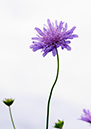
(27, 76)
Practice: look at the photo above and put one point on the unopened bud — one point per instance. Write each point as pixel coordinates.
(8, 102)
(59, 124)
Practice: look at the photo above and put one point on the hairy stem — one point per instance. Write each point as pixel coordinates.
(50, 95)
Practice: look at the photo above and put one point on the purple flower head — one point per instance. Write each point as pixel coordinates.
(86, 116)
(52, 37)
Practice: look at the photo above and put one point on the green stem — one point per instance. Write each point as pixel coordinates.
(11, 117)
(50, 95)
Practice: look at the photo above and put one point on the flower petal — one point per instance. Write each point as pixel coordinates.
(68, 48)
(39, 31)
(49, 24)
(60, 26)
(70, 31)
(54, 52)
(65, 28)
(35, 38)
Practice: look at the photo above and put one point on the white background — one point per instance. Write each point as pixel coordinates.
(28, 77)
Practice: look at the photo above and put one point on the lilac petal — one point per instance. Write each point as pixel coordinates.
(70, 31)
(68, 48)
(44, 29)
(73, 36)
(49, 24)
(60, 26)
(49, 48)
(62, 46)
(84, 110)
(84, 119)
(65, 28)
(36, 47)
(70, 36)
(56, 24)
(45, 53)
(54, 52)
(35, 38)
(35, 42)
(67, 42)
(39, 31)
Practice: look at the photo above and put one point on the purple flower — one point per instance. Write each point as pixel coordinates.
(86, 116)
(52, 37)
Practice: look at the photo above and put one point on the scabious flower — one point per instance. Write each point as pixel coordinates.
(52, 37)
(86, 116)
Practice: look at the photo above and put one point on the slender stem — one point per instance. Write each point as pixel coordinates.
(11, 117)
(50, 95)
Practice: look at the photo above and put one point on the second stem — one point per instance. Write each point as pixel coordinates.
(11, 117)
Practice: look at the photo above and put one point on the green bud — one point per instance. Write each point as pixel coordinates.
(8, 102)
(59, 124)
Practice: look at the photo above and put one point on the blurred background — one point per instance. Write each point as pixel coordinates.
(27, 76)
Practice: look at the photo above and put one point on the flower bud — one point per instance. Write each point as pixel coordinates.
(8, 102)
(59, 124)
